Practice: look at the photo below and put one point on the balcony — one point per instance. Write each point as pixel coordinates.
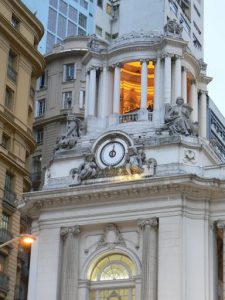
(4, 283)
(9, 197)
(133, 117)
(5, 235)
(12, 74)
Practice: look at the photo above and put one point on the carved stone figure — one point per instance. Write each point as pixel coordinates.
(151, 165)
(111, 237)
(69, 139)
(134, 161)
(173, 28)
(86, 170)
(177, 119)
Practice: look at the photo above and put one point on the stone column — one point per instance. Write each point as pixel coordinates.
(92, 92)
(144, 83)
(87, 94)
(203, 114)
(104, 98)
(184, 84)
(70, 262)
(167, 78)
(157, 105)
(116, 92)
(177, 83)
(221, 226)
(194, 101)
(149, 229)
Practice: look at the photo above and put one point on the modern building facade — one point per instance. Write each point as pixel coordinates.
(62, 18)
(132, 206)
(21, 64)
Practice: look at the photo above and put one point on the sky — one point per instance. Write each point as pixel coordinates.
(214, 50)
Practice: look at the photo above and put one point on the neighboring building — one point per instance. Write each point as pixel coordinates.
(59, 91)
(62, 18)
(216, 128)
(132, 206)
(21, 64)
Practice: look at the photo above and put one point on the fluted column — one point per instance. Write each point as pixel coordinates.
(70, 262)
(184, 84)
(92, 92)
(149, 229)
(87, 94)
(203, 114)
(221, 226)
(116, 91)
(177, 83)
(194, 101)
(144, 83)
(157, 105)
(167, 78)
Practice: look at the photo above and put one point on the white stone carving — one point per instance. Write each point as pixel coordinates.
(111, 237)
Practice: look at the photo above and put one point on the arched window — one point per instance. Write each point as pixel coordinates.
(112, 278)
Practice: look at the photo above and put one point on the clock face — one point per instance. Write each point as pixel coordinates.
(112, 153)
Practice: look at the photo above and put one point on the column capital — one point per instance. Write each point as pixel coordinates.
(65, 231)
(203, 92)
(117, 65)
(165, 55)
(177, 56)
(143, 223)
(142, 60)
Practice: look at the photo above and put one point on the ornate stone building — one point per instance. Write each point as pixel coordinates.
(132, 206)
(21, 64)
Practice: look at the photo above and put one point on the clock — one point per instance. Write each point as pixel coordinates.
(110, 152)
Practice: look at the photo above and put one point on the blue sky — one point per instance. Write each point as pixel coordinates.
(214, 53)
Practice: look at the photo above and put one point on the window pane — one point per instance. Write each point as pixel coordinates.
(63, 7)
(61, 26)
(52, 15)
(72, 13)
(72, 29)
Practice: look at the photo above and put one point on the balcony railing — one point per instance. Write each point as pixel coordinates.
(12, 74)
(129, 117)
(5, 235)
(9, 197)
(4, 282)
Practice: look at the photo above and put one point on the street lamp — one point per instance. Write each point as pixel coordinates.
(27, 239)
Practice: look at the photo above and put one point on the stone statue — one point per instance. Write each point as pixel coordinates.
(172, 27)
(86, 170)
(69, 139)
(177, 119)
(134, 161)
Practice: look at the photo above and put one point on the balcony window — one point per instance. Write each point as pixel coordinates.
(82, 20)
(12, 65)
(40, 107)
(67, 100)
(15, 22)
(5, 141)
(39, 136)
(43, 80)
(9, 97)
(81, 32)
(69, 72)
(9, 195)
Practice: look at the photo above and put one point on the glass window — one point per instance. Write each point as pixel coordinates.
(54, 3)
(73, 13)
(43, 80)
(63, 7)
(40, 109)
(84, 4)
(67, 100)
(81, 32)
(9, 98)
(15, 22)
(61, 27)
(69, 72)
(5, 141)
(12, 66)
(8, 195)
(52, 16)
(109, 8)
(39, 135)
(2, 263)
(72, 29)
(98, 30)
(100, 3)
(82, 20)
(50, 42)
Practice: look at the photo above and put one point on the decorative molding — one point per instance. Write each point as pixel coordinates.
(65, 231)
(111, 237)
(153, 223)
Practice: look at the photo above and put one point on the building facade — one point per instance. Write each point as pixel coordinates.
(62, 18)
(21, 64)
(132, 206)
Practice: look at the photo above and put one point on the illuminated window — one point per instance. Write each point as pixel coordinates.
(130, 87)
(111, 268)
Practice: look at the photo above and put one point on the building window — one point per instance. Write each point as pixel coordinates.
(197, 11)
(81, 32)
(40, 108)
(174, 8)
(109, 8)
(9, 98)
(100, 3)
(9, 195)
(185, 24)
(69, 72)
(12, 66)
(39, 136)
(84, 4)
(82, 20)
(196, 42)
(50, 42)
(63, 7)
(5, 141)
(98, 30)
(52, 16)
(43, 80)
(5, 221)
(107, 36)
(54, 3)
(15, 22)
(73, 13)
(36, 168)
(61, 26)
(72, 29)
(67, 100)
(2, 263)
(196, 27)
(82, 100)
(107, 271)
